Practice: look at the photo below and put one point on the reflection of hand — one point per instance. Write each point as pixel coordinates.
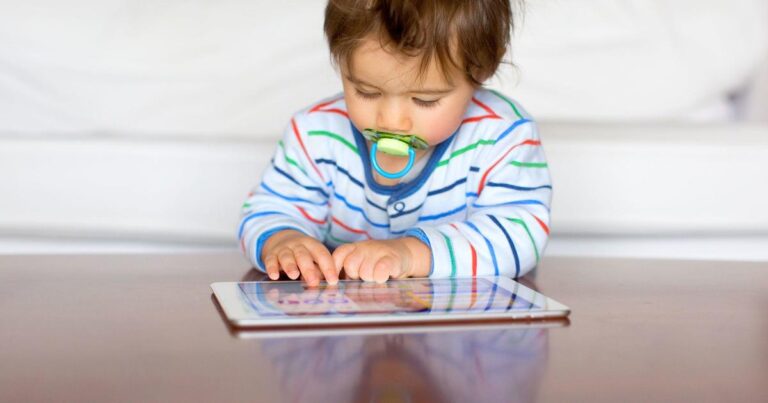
(298, 254)
(295, 298)
(362, 293)
(381, 260)
(312, 369)
(385, 296)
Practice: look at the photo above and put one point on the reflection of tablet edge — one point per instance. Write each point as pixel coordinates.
(228, 301)
(266, 333)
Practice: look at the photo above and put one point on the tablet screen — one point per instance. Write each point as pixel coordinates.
(394, 297)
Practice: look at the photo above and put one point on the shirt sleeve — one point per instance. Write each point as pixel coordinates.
(292, 195)
(507, 224)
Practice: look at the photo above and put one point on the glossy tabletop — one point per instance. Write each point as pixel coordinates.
(146, 328)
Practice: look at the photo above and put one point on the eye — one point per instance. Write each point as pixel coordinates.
(426, 103)
(367, 95)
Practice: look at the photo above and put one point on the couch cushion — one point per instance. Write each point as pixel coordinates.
(648, 179)
(608, 179)
(167, 68)
(239, 67)
(636, 60)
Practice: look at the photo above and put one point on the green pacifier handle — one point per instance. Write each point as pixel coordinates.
(412, 140)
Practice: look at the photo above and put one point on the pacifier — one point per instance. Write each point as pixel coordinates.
(401, 145)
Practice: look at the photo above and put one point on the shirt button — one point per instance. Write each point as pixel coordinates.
(399, 206)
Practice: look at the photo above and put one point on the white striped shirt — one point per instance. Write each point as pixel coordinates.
(481, 202)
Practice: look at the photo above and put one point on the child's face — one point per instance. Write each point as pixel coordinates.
(383, 91)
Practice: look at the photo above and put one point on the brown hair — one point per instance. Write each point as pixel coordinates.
(468, 35)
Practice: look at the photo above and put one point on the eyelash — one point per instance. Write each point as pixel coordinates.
(366, 95)
(426, 104)
(420, 102)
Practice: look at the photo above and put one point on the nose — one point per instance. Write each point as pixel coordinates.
(393, 116)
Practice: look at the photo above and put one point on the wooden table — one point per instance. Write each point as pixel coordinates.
(145, 328)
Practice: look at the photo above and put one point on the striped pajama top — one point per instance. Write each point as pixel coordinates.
(481, 201)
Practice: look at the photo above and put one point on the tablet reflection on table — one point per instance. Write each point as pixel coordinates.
(461, 366)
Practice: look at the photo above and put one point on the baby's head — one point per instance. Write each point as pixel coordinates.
(411, 66)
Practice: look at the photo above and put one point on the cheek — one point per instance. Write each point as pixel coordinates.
(360, 115)
(438, 125)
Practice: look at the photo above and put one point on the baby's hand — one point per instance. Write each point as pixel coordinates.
(381, 260)
(298, 254)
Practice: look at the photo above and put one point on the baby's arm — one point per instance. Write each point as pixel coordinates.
(508, 213)
(283, 219)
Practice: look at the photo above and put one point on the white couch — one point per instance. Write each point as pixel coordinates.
(128, 126)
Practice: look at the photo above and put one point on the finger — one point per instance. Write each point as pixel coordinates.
(340, 254)
(366, 269)
(288, 263)
(273, 295)
(272, 266)
(383, 269)
(309, 271)
(396, 267)
(325, 262)
(352, 264)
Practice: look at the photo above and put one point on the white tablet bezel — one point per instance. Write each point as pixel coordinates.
(229, 295)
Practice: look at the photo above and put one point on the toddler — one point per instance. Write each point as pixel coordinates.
(415, 170)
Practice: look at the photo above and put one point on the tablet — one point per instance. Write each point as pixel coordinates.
(351, 302)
